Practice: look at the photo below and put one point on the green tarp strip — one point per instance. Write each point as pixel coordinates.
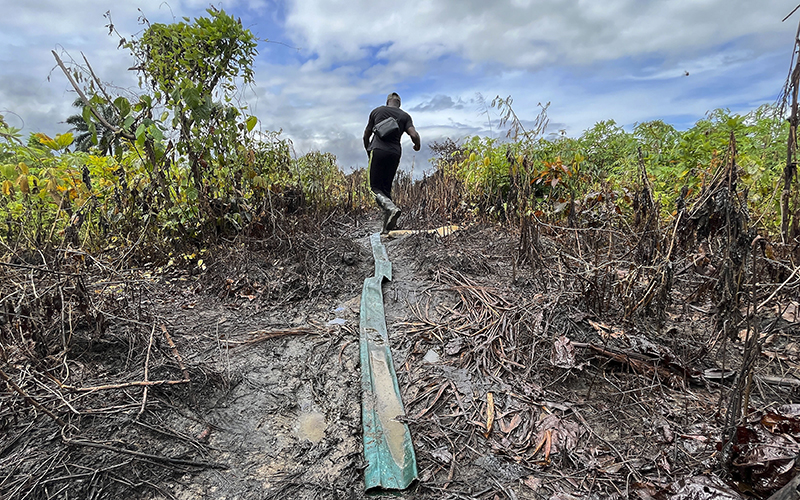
(388, 449)
(383, 266)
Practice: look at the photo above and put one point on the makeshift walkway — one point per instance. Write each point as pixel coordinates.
(388, 449)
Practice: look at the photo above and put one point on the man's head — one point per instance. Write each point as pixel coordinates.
(393, 100)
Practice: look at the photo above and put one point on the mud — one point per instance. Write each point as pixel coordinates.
(507, 372)
(292, 410)
(289, 423)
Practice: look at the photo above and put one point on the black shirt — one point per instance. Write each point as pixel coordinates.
(391, 144)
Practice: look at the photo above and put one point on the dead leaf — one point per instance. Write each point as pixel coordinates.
(489, 413)
(611, 468)
(563, 353)
(707, 487)
(532, 482)
(792, 312)
(664, 464)
(548, 444)
(539, 446)
(557, 433)
(605, 331)
(508, 428)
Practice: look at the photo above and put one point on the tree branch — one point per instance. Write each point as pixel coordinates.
(97, 114)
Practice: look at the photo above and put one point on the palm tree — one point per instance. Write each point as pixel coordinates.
(107, 141)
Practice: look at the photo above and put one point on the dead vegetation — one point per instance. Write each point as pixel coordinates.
(602, 359)
(614, 365)
(103, 382)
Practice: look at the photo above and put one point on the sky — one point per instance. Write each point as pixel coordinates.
(324, 64)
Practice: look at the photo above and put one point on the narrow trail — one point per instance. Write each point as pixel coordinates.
(289, 425)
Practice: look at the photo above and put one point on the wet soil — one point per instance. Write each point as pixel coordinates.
(519, 379)
(289, 423)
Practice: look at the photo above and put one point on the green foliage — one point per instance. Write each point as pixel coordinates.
(608, 150)
(193, 69)
(192, 157)
(188, 61)
(485, 170)
(46, 189)
(185, 162)
(320, 178)
(603, 162)
(188, 163)
(91, 134)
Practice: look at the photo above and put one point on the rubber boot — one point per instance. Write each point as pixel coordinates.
(390, 212)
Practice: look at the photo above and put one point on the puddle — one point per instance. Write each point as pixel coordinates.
(311, 426)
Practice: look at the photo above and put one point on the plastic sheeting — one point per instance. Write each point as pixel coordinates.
(388, 450)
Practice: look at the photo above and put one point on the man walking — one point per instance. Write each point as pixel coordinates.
(382, 142)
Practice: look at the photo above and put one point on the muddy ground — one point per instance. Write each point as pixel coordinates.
(551, 377)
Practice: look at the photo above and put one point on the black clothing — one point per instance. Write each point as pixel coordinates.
(382, 169)
(391, 144)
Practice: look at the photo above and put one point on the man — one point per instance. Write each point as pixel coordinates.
(382, 142)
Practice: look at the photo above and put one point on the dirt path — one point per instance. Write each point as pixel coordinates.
(290, 424)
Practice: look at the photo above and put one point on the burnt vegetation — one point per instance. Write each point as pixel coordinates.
(620, 354)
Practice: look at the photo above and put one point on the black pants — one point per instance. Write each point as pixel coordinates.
(382, 168)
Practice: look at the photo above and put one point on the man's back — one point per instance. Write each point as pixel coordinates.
(390, 143)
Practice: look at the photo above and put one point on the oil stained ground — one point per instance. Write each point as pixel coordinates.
(289, 425)
(292, 409)
(290, 422)
(311, 426)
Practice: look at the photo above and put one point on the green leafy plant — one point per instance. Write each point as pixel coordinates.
(192, 69)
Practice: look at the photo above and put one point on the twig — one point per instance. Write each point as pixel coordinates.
(96, 79)
(30, 400)
(88, 104)
(764, 302)
(752, 343)
(779, 381)
(175, 352)
(509, 493)
(633, 471)
(147, 456)
(147, 369)
(641, 366)
(790, 13)
(147, 383)
(272, 334)
(34, 268)
(124, 256)
(55, 393)
(341, 351)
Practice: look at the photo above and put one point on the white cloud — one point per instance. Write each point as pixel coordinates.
(526, 34)
(616, 59)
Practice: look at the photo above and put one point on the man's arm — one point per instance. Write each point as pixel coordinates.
(412, 132)
(368, 130)
(367, 135)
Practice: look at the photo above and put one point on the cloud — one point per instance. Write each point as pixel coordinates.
(526, 34)
(438, 103)
(336, 60)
